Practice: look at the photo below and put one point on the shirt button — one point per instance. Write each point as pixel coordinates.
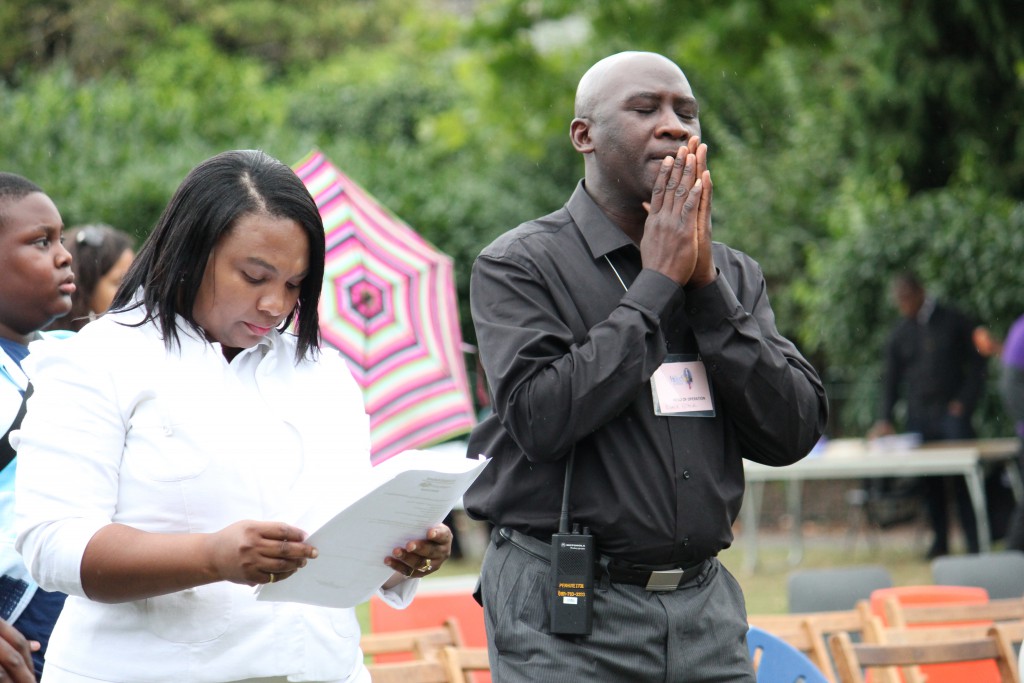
(693, 310)
(686, 541)
(686, 474)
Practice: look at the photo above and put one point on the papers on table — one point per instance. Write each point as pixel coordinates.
(408, 494)
(895, 442)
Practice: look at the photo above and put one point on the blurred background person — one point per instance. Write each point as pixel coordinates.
(101, 256)
(1010, 353)
(932, 364)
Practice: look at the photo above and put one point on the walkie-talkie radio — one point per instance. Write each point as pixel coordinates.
(572, 572)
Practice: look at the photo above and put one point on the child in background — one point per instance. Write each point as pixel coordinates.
(101, 255)
(36, 286)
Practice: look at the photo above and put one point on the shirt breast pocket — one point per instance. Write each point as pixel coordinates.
(168, 446)
(195, 615)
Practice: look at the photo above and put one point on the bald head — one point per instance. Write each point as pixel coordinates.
(592, 87)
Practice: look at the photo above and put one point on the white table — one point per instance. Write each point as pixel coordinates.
(853, 459)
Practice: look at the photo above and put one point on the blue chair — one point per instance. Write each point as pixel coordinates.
(776, 661)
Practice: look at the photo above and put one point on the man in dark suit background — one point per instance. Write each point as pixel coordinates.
(931, 363)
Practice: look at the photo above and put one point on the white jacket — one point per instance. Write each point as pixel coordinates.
(13, 383)
(121, 430)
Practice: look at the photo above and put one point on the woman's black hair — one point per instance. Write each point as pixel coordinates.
(206, 206)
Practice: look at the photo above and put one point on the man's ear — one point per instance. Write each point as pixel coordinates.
(579, 133)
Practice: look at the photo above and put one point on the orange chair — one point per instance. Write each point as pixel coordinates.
(432, 608)
(851, 658)
(975, 672)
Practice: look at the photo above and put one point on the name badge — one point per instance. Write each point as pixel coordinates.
(681, 388)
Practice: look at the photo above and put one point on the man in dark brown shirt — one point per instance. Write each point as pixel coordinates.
(614, 330)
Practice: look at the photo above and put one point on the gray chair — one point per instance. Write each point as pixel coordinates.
(1000, 573)
(834, 589)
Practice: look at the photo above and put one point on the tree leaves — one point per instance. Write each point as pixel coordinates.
(850, 138)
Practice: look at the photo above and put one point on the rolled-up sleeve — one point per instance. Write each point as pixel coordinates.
(400, 596)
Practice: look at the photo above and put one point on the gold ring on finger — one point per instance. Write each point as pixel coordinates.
(272, 577)
(426, 567)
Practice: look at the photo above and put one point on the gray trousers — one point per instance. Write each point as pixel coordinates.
(697, 633)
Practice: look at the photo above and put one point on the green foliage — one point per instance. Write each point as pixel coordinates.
(113, 149)
(959, 242)
(944, 90)
(393, 139)
(849, 138)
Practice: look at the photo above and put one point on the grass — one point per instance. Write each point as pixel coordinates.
(898, 551)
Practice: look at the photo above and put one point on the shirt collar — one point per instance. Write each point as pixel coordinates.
(927, 308)
(602, 236)
(192, 340)
(11, 355)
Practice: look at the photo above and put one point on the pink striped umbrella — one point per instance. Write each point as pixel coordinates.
(388, 304)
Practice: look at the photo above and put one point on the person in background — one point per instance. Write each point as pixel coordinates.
(36, 286)
(186, 423)
(932, 364)
(1011, 387)
(101, 257)
(616, 336)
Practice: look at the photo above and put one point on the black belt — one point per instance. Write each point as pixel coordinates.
(650, 577)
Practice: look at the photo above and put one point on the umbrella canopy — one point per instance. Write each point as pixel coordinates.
(388, 304)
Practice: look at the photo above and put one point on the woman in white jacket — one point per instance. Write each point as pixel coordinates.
(166, 438)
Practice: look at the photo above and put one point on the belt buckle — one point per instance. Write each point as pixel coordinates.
(665, 580)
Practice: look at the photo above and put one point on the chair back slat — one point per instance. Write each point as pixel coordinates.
(416, 671)
(1005, 609)
(869, 654)
(416, 643)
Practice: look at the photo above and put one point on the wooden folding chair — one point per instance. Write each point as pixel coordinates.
(808, 631)
(417, 643)
(1009, 632)
(852, 658)
(460, 661)
(416, 671)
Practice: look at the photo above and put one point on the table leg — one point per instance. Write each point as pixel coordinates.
(1016, 485)
(794, 503)
(976, 489)
(750, 513)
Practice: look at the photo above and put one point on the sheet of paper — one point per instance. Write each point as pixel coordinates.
(408, 494)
